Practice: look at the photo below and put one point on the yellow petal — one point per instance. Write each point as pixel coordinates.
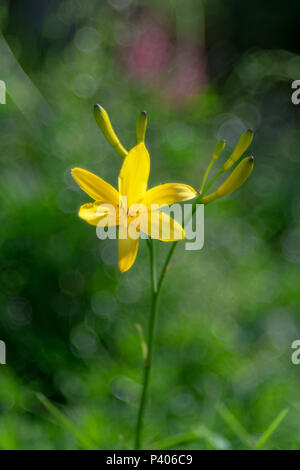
(95, 187)
(128, 249)
(169, 193)
(134, 174)
(99, 214)
(161, 226)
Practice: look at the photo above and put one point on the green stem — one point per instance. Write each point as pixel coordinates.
(148, 360)
(174, 244)
(62, 419)
(220, 172)
(166, 265)
(156, 288)
(205, 176)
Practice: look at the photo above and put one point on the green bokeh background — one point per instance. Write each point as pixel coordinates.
(230, 312)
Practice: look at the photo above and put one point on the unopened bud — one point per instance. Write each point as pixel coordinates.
(234, 180)
(218, 149)
(141, 126)
(241, 147)
(103, 121)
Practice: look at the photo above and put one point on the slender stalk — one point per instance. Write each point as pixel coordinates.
(220, 172)
(166, 265)
(206, 175)
(153, 265)
(148, 360)
(62, 419)
(155, 288)
(174, 244)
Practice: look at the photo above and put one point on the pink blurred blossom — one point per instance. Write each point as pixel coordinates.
(175, 70)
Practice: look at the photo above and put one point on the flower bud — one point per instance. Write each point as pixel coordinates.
(218, 149)
(241, 147)
(234, 180)
(141, 125)
(103, 121)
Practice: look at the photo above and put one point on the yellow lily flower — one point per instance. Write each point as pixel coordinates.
(133, 182)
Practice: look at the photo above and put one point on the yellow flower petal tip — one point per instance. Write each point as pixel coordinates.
(95, 187)
(168, 194)
(234, 180)
(124, 267)
(240, 148)
(103, 121)
(134, 174)
(128, 249)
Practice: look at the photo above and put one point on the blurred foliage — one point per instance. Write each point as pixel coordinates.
(230, 312)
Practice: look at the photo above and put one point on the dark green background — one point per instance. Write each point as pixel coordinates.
(229, 312)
